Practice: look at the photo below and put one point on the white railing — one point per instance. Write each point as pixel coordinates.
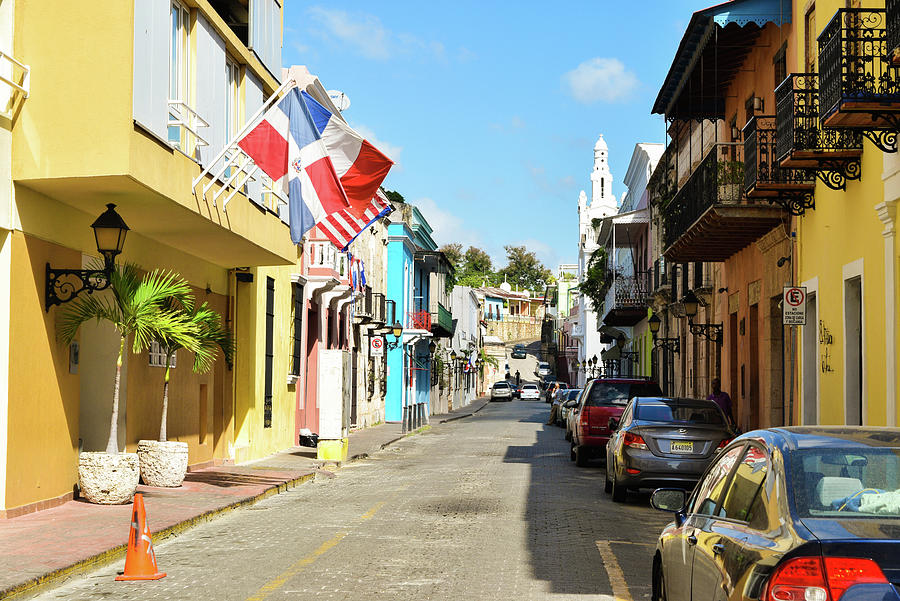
(17, 76)
(184, 117)
(325, 255)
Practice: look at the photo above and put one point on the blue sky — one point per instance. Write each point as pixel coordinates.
(491, 109)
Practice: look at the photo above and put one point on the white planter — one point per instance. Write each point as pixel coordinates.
(108, 478)
(163, 463)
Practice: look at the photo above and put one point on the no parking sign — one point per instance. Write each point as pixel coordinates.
(793, 306)
(376, 346)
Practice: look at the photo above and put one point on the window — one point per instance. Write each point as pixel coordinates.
(179, 69)
(270, 353)
(297, 348)
(232, 99)
(158, 356)
(709, 490)
(779, 61)
(746, 499)
(810, 41)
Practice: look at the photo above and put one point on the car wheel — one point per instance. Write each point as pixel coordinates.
(659, 582)
(607, 484)
(581, 456)
(572, 454)
(618, 491)
(568, 435)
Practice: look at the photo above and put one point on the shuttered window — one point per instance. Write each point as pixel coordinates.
(265, 33)
(270, 350)
(150, 84)
(211, 81)
(297, 347)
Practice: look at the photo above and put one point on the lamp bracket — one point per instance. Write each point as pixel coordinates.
(710, 331)
(65, 284)
(671, 344)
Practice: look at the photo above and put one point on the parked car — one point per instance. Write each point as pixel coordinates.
(571, 410)
(501, 391)
(787, 513)
(663, 442)
(568, 401)
(603, 398)
(529, 392)
(545, 383)
(518, 352)
(542, 369)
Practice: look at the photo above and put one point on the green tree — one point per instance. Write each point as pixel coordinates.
(394, 196)
(524, 270)
(454, 254)
(211, 335)
(478, 261)
(138, 312)
(597, 277)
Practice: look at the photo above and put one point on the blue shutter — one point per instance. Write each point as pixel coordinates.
(150, 86)
(211, 89)
(265, 34)
(253, 99)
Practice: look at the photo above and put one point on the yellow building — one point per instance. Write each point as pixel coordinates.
(113, 117)
(846, 253)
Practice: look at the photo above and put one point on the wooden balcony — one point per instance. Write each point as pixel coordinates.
(801, 141)
(764, 178)
(441, 322)
(859, 82)
(710, 218)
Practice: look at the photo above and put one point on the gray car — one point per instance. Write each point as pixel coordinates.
(501, 391)
(663, 442)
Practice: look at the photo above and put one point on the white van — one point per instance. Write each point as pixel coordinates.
(543, 369)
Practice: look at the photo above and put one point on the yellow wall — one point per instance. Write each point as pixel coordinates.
(252, 439)
(42, 453)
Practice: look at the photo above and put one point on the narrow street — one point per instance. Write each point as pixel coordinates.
(486, 507)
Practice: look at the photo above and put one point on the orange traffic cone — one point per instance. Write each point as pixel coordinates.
(140, 561)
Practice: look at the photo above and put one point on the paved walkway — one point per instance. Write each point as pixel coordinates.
(48, 545)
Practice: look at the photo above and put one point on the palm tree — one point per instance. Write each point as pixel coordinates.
(211, 334)
(138, 310)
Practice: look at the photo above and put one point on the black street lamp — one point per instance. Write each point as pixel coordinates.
(710, 331)
(397, 331)
(672, 344)
(65, 284)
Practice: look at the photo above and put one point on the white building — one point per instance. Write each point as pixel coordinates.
(603, 204)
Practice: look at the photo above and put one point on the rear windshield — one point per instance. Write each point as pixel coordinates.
(563, 385)
(542, 364)
(673, 412)
(501, 385)
(618, 393)
(851, 482)
(573, 394)
(529, 387)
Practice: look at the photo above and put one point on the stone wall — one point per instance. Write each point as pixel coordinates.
(512, 329)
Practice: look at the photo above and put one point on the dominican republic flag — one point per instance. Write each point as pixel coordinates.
(470, 364)
(288, 147)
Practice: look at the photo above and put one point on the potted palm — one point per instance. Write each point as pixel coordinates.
(137, 309)
(164, 462)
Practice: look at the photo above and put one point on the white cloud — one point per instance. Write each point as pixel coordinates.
(448, 228)
(391, 150)
(600, 79)
(363, 32)
(544, 252)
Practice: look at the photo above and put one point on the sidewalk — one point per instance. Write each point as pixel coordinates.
(45, 546)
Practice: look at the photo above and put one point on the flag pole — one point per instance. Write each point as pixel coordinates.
(287, 85)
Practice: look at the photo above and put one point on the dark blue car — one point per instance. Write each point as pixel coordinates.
(787, 514)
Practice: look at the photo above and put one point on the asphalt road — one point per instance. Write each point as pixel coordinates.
(487, 507)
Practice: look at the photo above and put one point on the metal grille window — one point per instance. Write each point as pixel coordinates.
(270, 325)
(297, 346)
(158, 356)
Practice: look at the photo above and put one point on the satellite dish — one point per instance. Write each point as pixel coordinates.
(340, 100)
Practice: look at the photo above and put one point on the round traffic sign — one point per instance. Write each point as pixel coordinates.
(377, 343)
(794, 296)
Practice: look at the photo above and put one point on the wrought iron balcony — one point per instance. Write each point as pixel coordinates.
(362, 306)
(859, 83)
(418, 320)
(441, 322)
(710, 218)
(800, 140)
(627, 301)
(764, 178)
(378, 308)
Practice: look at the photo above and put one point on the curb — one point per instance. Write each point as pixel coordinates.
(105, 558)
(462, 415)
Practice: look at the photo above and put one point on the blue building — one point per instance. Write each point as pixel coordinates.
(414, 268)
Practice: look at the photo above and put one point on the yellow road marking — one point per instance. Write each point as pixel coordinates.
(616, 577)
(301, 564)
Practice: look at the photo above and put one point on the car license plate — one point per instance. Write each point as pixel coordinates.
(681, 447)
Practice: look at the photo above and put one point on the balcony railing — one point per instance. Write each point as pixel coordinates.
(378, 308)
(183, 118)
(718, 179)
(442, 322)
(765, 178)
(627, 300)
(801, 141)
(860, 86)
(418, 320)
(660, 277)
(17, 76)
(363, 305)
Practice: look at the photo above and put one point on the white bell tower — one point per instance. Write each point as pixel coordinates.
(603, 203)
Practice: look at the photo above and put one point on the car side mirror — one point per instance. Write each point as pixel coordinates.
(612, 424)
(669, 499)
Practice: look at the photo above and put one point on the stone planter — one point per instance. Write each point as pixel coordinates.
(163, 463)
(108, 478)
